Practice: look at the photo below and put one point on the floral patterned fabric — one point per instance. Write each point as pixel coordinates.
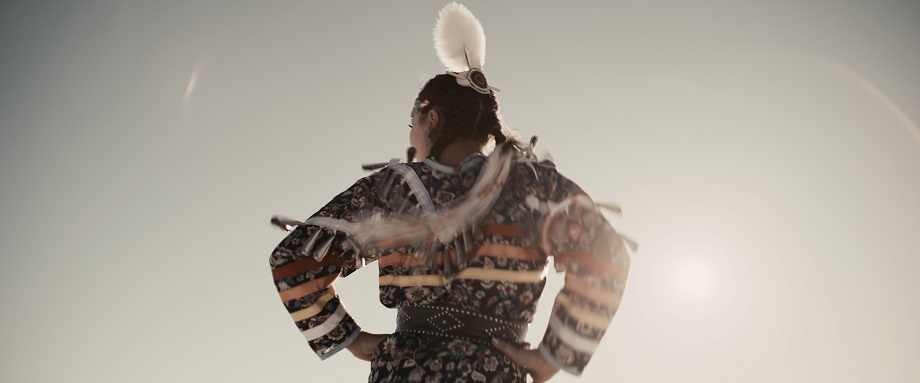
(541, 215)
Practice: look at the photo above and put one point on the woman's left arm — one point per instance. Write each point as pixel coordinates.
(596, 262)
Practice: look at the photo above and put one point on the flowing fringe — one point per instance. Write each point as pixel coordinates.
(453, 229)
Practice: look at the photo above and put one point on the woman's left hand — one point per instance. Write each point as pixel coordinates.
(533, 361)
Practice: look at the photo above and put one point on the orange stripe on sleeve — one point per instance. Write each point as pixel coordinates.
(307, 288)
(598, 265)
(300, 267)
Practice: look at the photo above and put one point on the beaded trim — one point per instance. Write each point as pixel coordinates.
(446, 323)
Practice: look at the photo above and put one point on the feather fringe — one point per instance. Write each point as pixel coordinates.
(453, 227)
(443, 227)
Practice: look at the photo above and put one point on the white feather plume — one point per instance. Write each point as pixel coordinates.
(458, 36)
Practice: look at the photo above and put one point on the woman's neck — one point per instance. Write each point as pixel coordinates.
(459, 150)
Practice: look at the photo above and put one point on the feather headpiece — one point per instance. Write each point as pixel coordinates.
(460, 43)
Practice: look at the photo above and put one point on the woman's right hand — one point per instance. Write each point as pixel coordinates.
(532, 360)
(364, 345)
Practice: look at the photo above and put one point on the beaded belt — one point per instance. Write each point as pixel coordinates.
(452, 322)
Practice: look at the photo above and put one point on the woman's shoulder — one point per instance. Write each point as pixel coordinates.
(543, 177)
(537, 170)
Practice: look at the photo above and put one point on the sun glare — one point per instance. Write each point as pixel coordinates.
(694, 279)
(695, 267)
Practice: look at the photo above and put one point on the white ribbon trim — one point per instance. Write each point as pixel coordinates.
(571, 338)
(327, 326)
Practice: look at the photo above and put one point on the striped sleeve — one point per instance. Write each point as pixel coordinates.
(596, 263)
(307, 262)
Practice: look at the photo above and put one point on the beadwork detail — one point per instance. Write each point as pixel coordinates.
(445, 322)
(452, 322)
(478, 80)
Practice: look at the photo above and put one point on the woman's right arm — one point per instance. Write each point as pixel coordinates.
(305, 264)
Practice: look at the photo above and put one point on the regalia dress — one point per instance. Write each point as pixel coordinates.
(492, 271)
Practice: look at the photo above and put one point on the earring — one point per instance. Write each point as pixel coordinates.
(427, 141)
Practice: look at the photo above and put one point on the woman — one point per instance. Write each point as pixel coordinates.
(462, 241)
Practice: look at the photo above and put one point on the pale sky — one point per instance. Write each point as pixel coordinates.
(766, 156)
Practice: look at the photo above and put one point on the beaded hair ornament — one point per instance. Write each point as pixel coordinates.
(461, 46)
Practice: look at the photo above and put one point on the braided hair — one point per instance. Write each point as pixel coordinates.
(465, 113)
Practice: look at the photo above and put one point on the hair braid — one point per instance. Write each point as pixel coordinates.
(490, 124)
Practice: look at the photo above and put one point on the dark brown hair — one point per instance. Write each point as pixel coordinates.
(465, 113)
